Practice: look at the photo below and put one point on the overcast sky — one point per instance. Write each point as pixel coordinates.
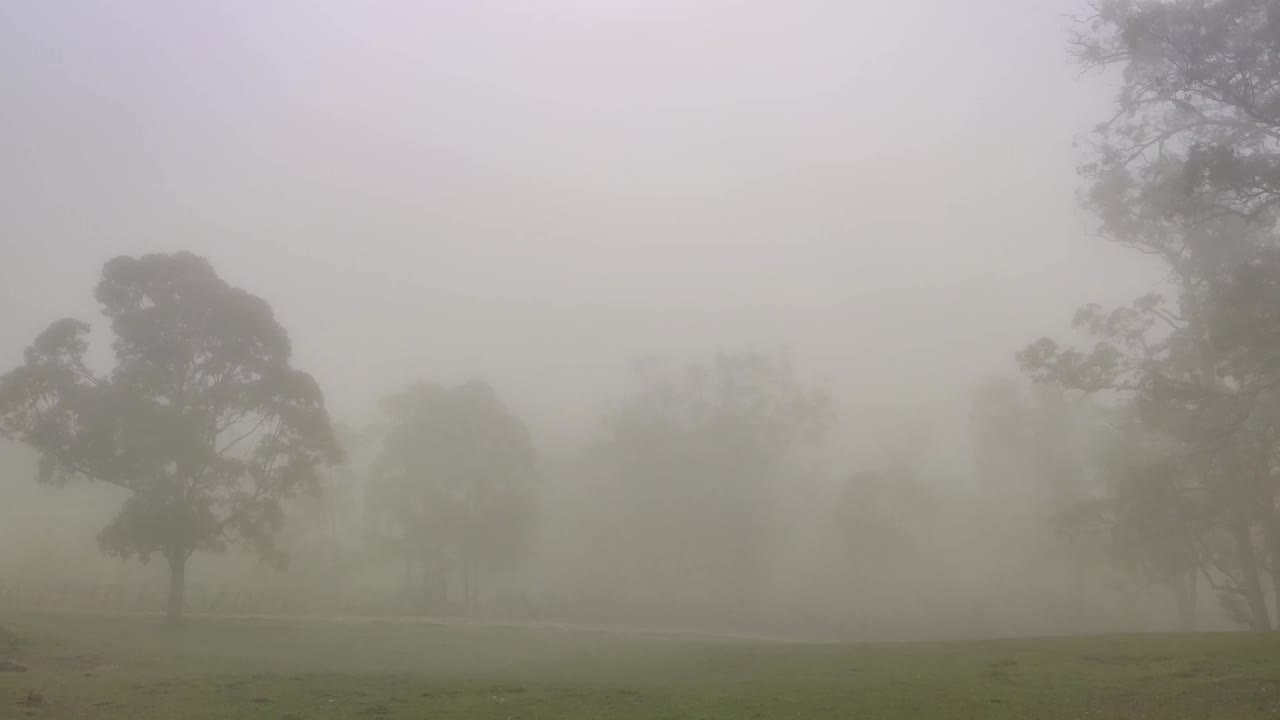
(533, 192)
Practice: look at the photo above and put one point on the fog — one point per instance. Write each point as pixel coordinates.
(536, 195)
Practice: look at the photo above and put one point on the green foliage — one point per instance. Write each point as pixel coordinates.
(202, 419)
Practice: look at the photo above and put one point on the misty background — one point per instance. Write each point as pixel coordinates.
(537, 194)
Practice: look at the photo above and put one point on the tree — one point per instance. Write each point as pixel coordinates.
(1151, 522)
(1034, 454)
(885, 522)
(1032, 445)
(1195, 135)
(203, 421)
(452, 484)
(1187, 172)
(695, 454)
(324, 531)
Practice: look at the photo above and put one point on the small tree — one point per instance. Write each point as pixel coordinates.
(452, 484)
(203, 420)
(1153, 519)
(697, 454)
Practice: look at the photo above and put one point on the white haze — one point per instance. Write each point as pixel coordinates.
(534, 193)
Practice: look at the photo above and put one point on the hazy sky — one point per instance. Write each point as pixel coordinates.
(532, 192)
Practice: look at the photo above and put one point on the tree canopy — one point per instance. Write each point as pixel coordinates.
(452, 484)
(202, 419)
(695, 453)
(1187, 172)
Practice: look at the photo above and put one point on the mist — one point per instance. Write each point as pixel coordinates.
(598, 212)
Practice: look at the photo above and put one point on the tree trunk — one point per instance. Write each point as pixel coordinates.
(1273, 550)
(470, 586)
(467, 588)
(177, 584)
(465, 581)
(1259, 614)
(1236, 475)
(435, 585)
(1186, 588)
(424, 598)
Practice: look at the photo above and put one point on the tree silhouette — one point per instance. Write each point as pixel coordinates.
(202, 419)
(452, 484)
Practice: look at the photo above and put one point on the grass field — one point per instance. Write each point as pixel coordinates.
(86, 667)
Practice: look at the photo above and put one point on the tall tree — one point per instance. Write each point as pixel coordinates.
(1187, 172)
(202, 420)
(452, 484)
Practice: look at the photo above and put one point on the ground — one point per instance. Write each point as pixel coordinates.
(141, 668)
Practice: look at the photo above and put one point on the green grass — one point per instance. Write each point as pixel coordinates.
(86, 667)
